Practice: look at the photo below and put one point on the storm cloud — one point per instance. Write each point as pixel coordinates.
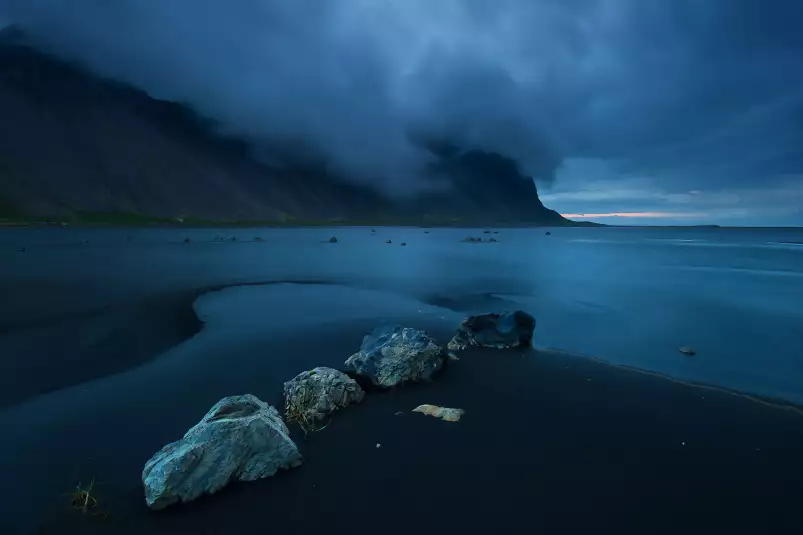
(616, 98)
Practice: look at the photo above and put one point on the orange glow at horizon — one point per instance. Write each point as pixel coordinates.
(630, 214)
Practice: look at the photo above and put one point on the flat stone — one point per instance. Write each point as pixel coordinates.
(444, 413)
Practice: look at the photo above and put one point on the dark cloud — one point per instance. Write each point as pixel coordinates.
(686, 94)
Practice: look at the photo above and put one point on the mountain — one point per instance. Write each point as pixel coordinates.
(74, 143)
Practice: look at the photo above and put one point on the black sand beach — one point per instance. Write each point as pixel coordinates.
(132, 332)
(551, 441)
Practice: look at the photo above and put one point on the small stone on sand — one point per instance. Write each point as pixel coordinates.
(444, 413)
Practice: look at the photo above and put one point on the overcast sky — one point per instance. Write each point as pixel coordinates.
(666, 111)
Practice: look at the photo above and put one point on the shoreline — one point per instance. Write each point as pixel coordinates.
(376, 224)
(769, 401)
(184, 324)
(275, 225)
(547, 434)
(567, 428)
(143, 330)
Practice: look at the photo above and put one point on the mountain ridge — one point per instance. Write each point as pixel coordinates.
(73, 143)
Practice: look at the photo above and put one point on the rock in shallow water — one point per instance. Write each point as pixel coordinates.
(394, 354)
(498, 330)
(315, 393)
(241, 438)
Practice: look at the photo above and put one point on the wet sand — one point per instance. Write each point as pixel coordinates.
(98, 342)
(549, 443)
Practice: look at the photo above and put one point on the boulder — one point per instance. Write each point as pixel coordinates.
(241, 438)
(393, 354)
(313, 394)
(499, 330)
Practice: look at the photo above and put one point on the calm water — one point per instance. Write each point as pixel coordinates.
(627, 295)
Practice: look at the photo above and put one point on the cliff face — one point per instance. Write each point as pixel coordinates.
(72, 141)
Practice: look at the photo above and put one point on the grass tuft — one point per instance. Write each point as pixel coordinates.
(85, 499)
(296, 412)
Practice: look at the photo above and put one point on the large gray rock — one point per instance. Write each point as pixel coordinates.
(394, 354)
(313, 394)
(241, 438)
(498, 330)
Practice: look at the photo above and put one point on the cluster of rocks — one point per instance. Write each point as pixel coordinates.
(242, 438)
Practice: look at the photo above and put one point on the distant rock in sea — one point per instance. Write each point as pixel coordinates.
(241, 438)
(498, 330)
(393, 354)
